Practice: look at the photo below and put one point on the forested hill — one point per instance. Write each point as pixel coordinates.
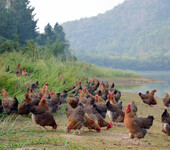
(136, 31)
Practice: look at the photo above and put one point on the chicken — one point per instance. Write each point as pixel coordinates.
(68, 111)
(114, 113)
(166, 122)
(148, 98)
(10, 105)
(86, 92)
(45, 91)
(24, 73)
(54, 102)
(3, 68)
(101, 109)
(17, 70)
(112, 87)
(77, 119)
(35, 85)
(117, 95)
(111, 99)
(42, 117)
(99, 99)
(74, 102)
(105, 91)
(93, 87)
(22, 108)
(134, 108)
(101, 121)
(43, 103)
(1, 107)
(63, 96)
(90, 123)
(136, 126)
(166, 100)
(2, 64)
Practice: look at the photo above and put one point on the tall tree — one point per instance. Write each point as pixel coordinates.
(17, 18)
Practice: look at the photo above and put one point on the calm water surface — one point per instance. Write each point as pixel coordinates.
(161, 87)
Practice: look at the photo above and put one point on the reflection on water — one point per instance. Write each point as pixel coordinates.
(161, 87)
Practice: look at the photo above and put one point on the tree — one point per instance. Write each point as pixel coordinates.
(17, 18)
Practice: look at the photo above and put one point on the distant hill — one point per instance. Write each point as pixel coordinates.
(136, 31)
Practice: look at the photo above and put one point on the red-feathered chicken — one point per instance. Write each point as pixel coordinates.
(10, 105)
(136, 126)
(148, 98)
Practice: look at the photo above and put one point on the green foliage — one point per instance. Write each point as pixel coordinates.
(17, 18)
(9, 46)
(54, 40)
(132, 29)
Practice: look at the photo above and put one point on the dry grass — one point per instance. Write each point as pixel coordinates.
(22, 133)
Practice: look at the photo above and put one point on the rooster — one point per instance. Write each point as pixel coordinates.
(136, 126)
(10, 106)
(166, 122)
(148, 98)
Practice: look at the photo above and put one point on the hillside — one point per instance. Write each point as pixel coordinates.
(134, 28)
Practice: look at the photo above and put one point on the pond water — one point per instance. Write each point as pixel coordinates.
(161, 87)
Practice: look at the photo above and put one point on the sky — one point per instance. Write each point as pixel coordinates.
(52, 11)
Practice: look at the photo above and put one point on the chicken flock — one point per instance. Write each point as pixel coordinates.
(88, 107)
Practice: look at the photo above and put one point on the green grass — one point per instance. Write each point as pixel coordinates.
(47, 69)
(22, 133)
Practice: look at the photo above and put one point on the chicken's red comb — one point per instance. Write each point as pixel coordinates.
(109, 125)
(84, 88)
(52, 92)
(128, 105)
(94, 78)
(2, 90)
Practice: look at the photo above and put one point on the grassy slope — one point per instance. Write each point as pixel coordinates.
(47, 69)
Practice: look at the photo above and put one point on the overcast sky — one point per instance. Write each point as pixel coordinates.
(52, 11)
